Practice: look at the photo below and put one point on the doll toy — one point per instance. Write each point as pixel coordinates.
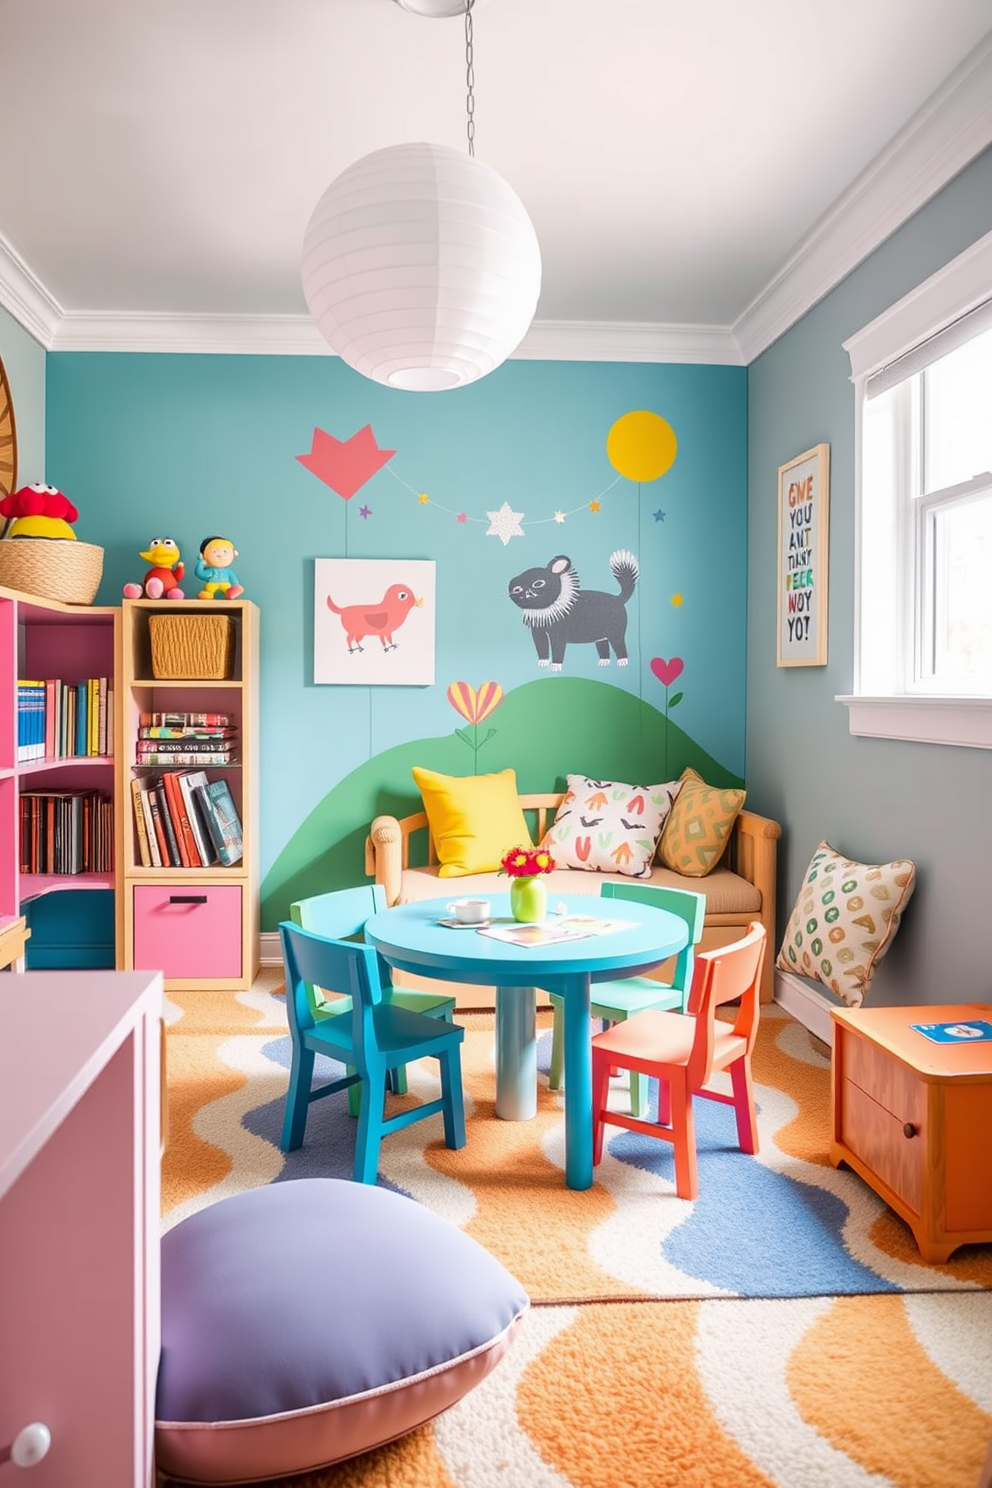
(213, 567)
(38, 511)
(163, 579)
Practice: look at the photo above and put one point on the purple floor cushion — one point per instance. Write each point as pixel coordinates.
(307, 1321)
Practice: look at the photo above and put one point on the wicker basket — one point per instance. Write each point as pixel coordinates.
(189, 647)
(51, 568)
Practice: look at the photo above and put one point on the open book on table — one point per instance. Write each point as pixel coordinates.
(555, 929)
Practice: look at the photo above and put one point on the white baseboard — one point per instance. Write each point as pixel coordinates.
(808, 1007)
(269, 949)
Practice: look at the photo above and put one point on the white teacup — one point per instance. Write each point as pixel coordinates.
(470, 911)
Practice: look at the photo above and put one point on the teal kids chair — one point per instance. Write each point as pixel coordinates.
(616, 1001)
(376, 1037)
(340, 914)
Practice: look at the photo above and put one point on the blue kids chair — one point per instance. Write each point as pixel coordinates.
(616, 1001)
(376, 1037)
(340, 914)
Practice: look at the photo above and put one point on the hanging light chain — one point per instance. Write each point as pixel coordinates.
(469, 78)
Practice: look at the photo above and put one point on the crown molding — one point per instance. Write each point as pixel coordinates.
(624, 341)
(296, 335)
(944, 136)
(951, 293)
(24, 297)
(224, 335)
(952, 128)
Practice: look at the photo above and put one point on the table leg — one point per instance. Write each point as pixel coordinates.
(516, 1053)
(578, 1083)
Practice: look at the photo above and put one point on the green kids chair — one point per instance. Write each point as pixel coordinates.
(616, 1001)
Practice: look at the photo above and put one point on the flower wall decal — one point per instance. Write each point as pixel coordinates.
(668, 672)
(475, 707)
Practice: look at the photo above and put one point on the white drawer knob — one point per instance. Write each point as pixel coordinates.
(30, 1444)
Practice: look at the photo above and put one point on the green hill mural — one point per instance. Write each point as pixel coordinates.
(544, 730)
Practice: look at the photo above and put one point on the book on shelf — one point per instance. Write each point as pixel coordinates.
(172, 858)
(184, 720)
(222, 820)
(154, 850)
(184, 757)
(189, 780)
(223, 735)
(140, 825)
(62, 720)
(66, 832)
(158, 825)
(30, 720)
(188, 849)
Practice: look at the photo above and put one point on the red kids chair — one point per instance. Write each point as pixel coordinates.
(684, 1051)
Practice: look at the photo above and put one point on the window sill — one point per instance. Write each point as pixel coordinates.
(963, 721)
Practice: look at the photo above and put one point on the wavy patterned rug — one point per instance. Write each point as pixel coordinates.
(782, 1329)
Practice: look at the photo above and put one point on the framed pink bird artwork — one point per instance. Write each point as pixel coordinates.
(373, 622)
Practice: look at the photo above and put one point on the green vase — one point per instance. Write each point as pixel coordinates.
(529, 900)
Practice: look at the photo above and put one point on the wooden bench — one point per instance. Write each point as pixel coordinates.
(400, 855)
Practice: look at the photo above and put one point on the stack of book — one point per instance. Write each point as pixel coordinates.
(60, 720)
(66, 832)
(184, 820)
(186, 739)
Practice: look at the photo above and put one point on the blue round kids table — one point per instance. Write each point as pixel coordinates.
(410, 939)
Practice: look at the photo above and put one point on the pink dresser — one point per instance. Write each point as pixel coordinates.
(79, 1224)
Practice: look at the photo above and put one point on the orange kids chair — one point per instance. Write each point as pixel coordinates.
(684, 1051)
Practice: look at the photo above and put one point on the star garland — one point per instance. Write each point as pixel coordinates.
(504, 522)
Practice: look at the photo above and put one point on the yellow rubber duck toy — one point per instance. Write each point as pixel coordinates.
(163, 578)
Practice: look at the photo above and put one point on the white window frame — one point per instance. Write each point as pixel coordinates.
(882, 705)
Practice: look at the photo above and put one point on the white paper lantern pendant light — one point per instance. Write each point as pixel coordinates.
(421, 266)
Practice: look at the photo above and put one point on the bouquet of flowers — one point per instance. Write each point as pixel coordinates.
(526, 862)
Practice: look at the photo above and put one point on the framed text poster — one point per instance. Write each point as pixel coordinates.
(803, 512)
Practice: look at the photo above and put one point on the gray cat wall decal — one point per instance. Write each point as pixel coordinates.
(558, 611)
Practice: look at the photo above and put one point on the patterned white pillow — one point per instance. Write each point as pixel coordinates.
(606, 826)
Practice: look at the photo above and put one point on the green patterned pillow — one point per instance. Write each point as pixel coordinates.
(844, 920)
(605, 826)
(699, 827)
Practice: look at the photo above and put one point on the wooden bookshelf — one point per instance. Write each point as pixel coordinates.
(198, 924)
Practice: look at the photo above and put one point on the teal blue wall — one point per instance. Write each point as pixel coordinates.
(872, 799)
(191, 445)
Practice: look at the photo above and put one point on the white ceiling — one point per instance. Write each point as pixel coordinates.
(698, 171)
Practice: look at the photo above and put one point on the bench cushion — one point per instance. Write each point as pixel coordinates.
(725, 892)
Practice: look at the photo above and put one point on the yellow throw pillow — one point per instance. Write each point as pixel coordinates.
(474, 819)
(698, 827)
(844, 920)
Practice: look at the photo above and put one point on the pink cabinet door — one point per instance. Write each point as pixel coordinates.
(188, 931)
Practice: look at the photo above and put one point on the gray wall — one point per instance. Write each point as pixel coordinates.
(24, 363)
(871, 799)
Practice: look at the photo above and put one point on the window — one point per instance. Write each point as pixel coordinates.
(923, 628)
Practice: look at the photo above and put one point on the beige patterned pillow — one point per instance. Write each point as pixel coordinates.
(607, 826)
(844, 920)
(699, 826)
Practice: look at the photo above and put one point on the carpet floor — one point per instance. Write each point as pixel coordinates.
(780, 1330)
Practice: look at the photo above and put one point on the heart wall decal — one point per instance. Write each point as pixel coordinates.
(667, 671)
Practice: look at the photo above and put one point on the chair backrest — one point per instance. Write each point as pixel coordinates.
(342, 964)
(340, 914)
(690, 907)
(725, 975)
